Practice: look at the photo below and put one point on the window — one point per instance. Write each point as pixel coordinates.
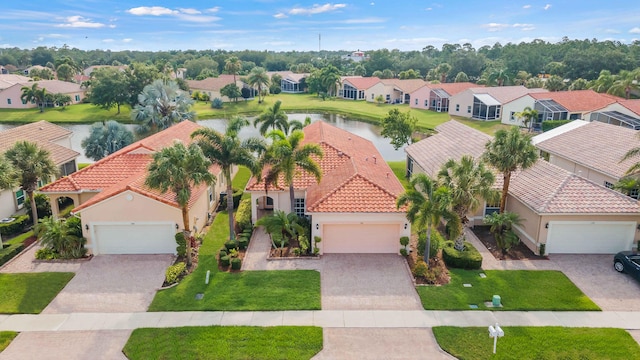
(211, 198)
(512, 117)
(416, 101)
(24, 102)
(409, 167)
(68, 168)
(491, 208)
(457, 107)
(426, 103)
(634, 193)
(298, 206)
(8, 101)
(608, 185)
(469, 109)
(372, 96)
(77, 98)
(433, 103)
(388, 97)
(20, 198)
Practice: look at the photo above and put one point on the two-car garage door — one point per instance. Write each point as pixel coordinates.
(590, 237)
(361, 238)
(138, 238)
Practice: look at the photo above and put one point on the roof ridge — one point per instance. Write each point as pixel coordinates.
(556, 192)
(336, 188)
(376, 184)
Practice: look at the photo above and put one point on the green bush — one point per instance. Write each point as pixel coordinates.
(404, 252)
(46, 254)
(231, 244)
(552, 124)
(16, 226)
(222, 252)
(243, 215)
(174, 271)
(42, 205)
(237, 195)
(9, 252)
(436, 240)
(470, 258)
(75, 226)
(404, 241)
(420, 269)
(217, 103)
(225, 261)
(236, 264)
(243, 243)
(181, 249)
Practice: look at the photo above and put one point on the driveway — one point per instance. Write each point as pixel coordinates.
(69, 345)
(367, 282)
(112, 283)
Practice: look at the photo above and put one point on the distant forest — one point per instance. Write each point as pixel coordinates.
(567, 59)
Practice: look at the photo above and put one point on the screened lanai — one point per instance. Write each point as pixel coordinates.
(617, 118)
(439, 100)
(485, 107)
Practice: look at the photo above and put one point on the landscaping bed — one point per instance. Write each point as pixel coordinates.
(518, 252)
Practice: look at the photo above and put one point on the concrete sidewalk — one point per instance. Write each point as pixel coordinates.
(322, 318)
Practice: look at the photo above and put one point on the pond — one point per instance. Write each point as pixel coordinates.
(368, 131)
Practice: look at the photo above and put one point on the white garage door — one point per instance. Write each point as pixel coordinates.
(138, 238)
(589, 237)
(361, 238)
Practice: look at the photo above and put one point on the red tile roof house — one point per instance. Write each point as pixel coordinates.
(435, 97)
(625, 113)
(353, 208)
(53, 138)
(565, 212)
(489, 103)
(354, 87)
(120, 215)
(212, 86)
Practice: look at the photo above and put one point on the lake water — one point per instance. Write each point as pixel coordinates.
(368, 131)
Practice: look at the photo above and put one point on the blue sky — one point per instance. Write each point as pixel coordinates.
(281, 25)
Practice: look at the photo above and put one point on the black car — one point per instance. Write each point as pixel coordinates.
(628, 262)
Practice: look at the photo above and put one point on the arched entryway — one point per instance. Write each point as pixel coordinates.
(264, 204)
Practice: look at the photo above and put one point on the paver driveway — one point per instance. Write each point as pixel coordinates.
(367, 282)
(112, 283)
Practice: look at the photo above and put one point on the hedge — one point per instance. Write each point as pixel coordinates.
(237, 195)
(551, 124)
(16, 226)
(9, 252)
(243, 215)
(470, 258)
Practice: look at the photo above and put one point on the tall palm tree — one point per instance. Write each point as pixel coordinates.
(258, 78)
(179, 169)
(499, 76)
(507, 152)
(528, 116)
(287, 156)
(161, 104)
(297, 125)
(33, 93)
(273, 118)
(604, 81)
(443, 70)
(633, 153)
(330, 78)
(428, 202)
(31, 163)
(470, 182)
(625, 82)
(232, 65)
(227, 150)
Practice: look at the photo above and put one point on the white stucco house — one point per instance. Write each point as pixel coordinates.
(353, 208)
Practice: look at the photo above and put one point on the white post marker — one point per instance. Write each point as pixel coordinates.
(495, 333)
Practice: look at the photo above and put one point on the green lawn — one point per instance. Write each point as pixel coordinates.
(524, 343)
(5, 338)
(30, 293)
(229, 343)
(18, 239)
(519, 290)
(399, 169)
(79, 113)
(241, 179)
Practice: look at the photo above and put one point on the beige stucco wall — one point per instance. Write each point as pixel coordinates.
(281, 201)
(372, 93)
(7, 203)
(464, 99)
(515, 106)
(419, 97)
(583, 171)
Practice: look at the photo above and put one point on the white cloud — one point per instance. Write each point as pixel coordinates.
(151, 10)
(81, 22)
(547, 7)
(316, 9)
(527, 6)
(280, 16)
(495, 26)
(363, 21)
(108, 40)
(612, 31)
(213, 9)
(635, 30)
(186, 14)
(190, 11)
(127, 40)
(372, 3)
(429, 9)
(524, 27)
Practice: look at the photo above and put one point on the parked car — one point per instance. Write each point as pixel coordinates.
(628, 262)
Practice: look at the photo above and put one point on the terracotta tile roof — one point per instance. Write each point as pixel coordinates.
(596, 145)
(406, 85)
(126, 169)
(361, 83)
(212, 84)
(548, 189)
(44, 134)
(8, 80)
(452, 141)
(578, 100)
(505, 94)
(454, 88)
(633, 105)
(355, 177)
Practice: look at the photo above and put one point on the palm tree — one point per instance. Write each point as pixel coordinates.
(161, 104)
(329, 77)
(179, 169)
(554, 83)
(507, 152)
(32, 164)
(625, 82)
(528, 116)
(34, 94)
(628, 185)
(232, 65)
(428, 202)
(502, 228)
(499, 76)
(227, 150)
(629, 155)
(287, 156)
(105, 139)
(470, 182)
(258, 78)
(442, 70)
(297, 125)
(273, 118)
(604, 81)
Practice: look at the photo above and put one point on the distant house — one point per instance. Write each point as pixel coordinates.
(28, 70)
(8, 80)
(489, 103)
(92, 68)
(3, 70)
(212, 86)
(394, 91)
(625, 113)
(10, 97)
(435, 97)
(53, 138)
(293, 83)
(355, 87)
(356, 56)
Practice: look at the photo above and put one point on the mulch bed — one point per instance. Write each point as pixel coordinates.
(518, 252)
(436, 264)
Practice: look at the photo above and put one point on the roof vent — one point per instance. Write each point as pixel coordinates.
(340, 153)
(349, 137)
(40, 127)
(387, 175)
(374, 160)
(366, 159)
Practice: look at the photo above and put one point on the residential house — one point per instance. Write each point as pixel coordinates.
(3, 70)
(355, 87)
(10, 97)
(394, 91)
(53, 138)
(486, 103)
(435, 97)
(565, 212)
(28, 70)
(625, 113)
(353, 208)
(293, 83)
(8, 80)
(92, 68)
(212, 86)
(356, 56)
(120, 214)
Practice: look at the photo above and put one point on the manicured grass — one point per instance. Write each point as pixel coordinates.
(538, 343)
(83, 165)
(229, 343)
(18, 239)
(5, 338)
(399, 169)
(30, 293)
(488, 127)
(78, 114)
(241, 179)
(518, 289)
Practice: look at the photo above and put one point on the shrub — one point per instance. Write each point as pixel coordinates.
(217, 103)
(420, 269)
(9, 252)
(222, 252)
(231, 244)
(75, 226)
(404, 252)
(42, 205)
(243, 215)
(46, 254)
(16, 226)
(470, 258)
(59, 236)
(552, 124)
(225, 261)
(296, 251)
(543, 248)
(174, 271)
(237, 195)
(316, 241)
(404, 241)
(436, 240)
(181, 249)
(243, 243)
(236, 264)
